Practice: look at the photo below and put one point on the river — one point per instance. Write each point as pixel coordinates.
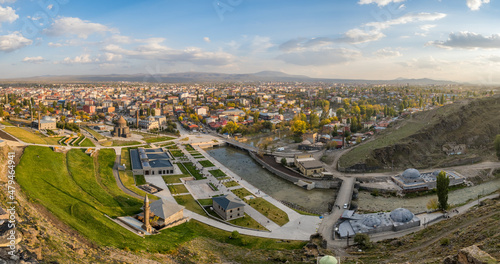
(368, 202)
(244, 166)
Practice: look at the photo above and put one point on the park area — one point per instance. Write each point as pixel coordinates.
(80, 190)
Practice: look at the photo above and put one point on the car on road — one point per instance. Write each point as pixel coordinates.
(346, 206)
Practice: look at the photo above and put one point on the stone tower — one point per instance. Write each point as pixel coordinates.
(137, 119)
(146, 226)
(39, 114)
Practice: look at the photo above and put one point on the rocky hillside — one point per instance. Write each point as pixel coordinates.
(417, 141)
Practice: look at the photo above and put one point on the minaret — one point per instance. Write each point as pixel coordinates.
(147, 225)
(39, 113)
(137, 119)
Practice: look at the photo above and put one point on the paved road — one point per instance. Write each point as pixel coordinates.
(117, 177)
(343, 197)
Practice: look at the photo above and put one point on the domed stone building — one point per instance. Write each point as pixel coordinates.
(121, 129)
(397, 220)
(411, 180)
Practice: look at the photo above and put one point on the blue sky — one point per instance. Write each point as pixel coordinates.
(358, 39)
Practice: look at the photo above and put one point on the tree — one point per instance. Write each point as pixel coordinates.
(363, 240)
(442, 184)
(314, 120)
(283, 162)
(432, 204)
(497, 145)
(230, 127)
(299, 127)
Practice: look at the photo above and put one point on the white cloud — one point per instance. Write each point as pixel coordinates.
(320, 57)
(56, 45)
(49, 7)
(153, 49)
(206, 39)
(7, 1)
(111, 57)
(427, 62)
(387, 53)
(7, 14)
(37, 59)
(366, 33)
(476, 4)
(427, 27)
(76, 26)
(82, 59)
(379, 2)
(13, 42)
(260, 44)
(468, 40)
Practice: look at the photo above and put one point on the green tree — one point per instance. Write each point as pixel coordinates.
(340, 112)
(283, 162)
(299, 127)
(497, 145)
(363, 240)
(442, 185)
(314, 120)
(230, 127)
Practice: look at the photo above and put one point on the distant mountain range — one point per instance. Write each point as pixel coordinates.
(204, 77)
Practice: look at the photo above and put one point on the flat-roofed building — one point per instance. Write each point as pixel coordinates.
(150, 162)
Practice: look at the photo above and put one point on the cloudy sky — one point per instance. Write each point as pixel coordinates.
(357, 39)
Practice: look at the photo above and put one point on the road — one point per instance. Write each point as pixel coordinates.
(344, 196)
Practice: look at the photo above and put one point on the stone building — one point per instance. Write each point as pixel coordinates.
(228, 207)
(121, 129)
(46, 122)
(411, 180)
(309, 166)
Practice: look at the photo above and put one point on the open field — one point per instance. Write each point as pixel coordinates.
(177, 153)
(264, 207)
(177, 189)
(25, 135)
(79, 196)
(231, 184)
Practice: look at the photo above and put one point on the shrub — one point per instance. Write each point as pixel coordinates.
(363, 240)
(444, 241)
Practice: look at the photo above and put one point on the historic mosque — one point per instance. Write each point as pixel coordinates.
(397, 220)
(411, 180)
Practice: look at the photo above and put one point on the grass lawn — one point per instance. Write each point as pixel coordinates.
(5, 123)
(177, 153)
(87, 143)
(158, 139)
(139, 180)
(195, 153)
(125, 143)
(190, 204)
(192, 170)
(167, 144)
(26, 136)
(94, 133)
(205, 201)
(174, 178)
(178, 189)
(189, 147)
(128, 180)
(206, 163)
(217, 173)
(230, 184)
(264, 207)
(81, 199)
(247, 221)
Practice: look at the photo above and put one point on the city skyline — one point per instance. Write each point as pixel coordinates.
(365, 39)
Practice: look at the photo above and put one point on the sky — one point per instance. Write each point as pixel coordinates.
(457, 40)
